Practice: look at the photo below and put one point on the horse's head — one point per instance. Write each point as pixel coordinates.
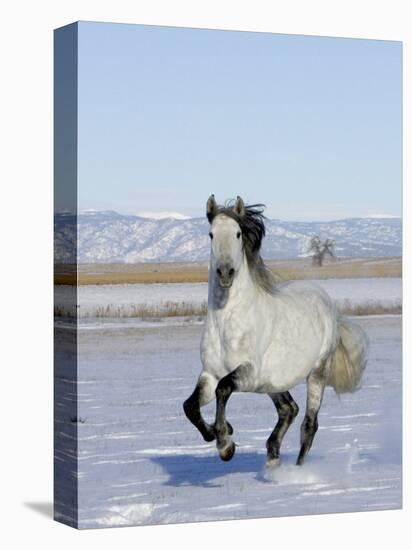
(226, 239)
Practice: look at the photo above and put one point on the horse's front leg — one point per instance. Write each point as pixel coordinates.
(203, 393)
(237, 380)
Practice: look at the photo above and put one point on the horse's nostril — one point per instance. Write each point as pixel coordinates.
(231, 272)
(218, 271)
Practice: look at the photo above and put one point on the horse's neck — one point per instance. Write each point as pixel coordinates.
(240, 295)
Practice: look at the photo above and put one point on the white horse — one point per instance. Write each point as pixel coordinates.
(266, 338)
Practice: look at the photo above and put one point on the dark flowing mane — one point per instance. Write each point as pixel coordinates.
(251, 223)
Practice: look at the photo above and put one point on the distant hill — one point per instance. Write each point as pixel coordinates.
(111, 237)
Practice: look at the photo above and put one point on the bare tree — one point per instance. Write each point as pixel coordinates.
(319, 250)
(316, 249)
(328, 247)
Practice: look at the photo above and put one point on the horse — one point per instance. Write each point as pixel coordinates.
(266, 337)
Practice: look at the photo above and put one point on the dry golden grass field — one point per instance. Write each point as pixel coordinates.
(98, 274)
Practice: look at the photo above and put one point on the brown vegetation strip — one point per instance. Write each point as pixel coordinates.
(188, 309)
(370, 308)
(101, 274)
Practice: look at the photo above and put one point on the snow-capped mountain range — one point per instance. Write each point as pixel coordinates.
(106, 237)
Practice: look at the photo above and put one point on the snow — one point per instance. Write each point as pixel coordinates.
(358, 291)
(123, 298)
(141, 462)
(163, 215)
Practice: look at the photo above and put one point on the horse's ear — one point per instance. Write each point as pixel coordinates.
(239, 208)
(211, 208)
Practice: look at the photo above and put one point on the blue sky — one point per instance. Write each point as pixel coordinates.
(309, 126)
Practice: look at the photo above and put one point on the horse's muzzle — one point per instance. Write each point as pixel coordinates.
(225, 275)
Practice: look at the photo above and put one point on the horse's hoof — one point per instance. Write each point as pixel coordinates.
(273, 462)
(227, 452)
(301, 458)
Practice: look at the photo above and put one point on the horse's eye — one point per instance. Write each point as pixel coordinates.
(211, 235)
(238, 235)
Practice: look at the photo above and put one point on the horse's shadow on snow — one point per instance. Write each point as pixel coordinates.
(204, 471)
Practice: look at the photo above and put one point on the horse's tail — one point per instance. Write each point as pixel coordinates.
(349, 359)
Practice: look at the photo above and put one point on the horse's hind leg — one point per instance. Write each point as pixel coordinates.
(203, 393)
(287, 410)
(315, 386)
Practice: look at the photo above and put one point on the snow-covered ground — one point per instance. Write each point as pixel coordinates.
(142, 462)
(122, 299)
